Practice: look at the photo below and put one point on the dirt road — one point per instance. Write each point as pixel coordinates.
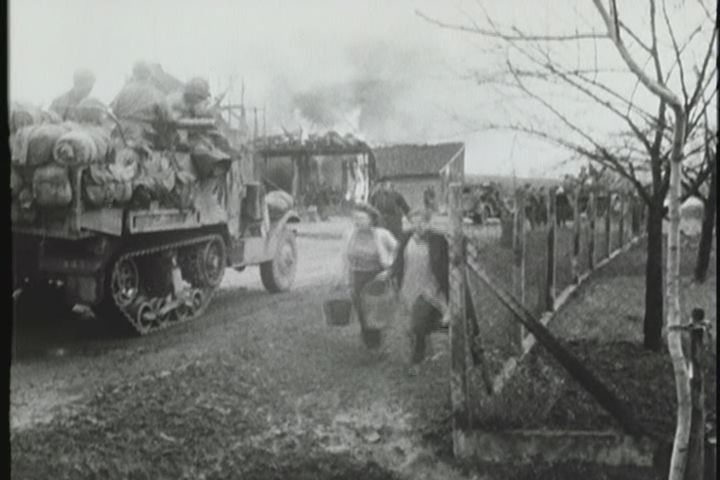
(258, 373)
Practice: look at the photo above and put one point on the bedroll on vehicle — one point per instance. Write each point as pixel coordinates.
(51, 186)
(83, 145)
(108, 185)
(209, 160)
(37, 143)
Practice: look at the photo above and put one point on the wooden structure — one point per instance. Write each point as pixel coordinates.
(299, 165)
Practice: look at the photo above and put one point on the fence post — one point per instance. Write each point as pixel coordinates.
(696, 446)
(550, 284)
(608, 236)
(459, 341)
(576, 235)
(621, 224)
(591, 218)
(518, 244)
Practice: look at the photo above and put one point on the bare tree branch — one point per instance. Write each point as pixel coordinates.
(653, 49)
(693, 123)
(605, 159)
(637, 39)
(678, 56)
(638, 133)
(521, 37)
(637, 82)
(707, 12)
(684, 46)
(629, 103)
(701, 74)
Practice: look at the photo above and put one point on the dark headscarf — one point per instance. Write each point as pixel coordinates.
(370, 210)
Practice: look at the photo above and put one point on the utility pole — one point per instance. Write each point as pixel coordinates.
(242, 99)
(229, 103)
(255, 128)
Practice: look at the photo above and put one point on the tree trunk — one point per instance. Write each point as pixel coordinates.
(653, 322)
(706, 234)
(678, 461)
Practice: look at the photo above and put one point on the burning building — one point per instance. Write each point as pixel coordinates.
(340, 166)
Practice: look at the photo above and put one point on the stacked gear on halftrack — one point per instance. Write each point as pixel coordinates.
(138, 213)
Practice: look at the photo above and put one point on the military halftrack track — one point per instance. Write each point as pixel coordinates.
(159, 286)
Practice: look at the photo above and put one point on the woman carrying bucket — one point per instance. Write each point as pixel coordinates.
(368, 251)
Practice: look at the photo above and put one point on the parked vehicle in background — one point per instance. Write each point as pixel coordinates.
(482, 202)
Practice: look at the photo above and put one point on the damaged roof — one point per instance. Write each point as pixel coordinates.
(412, 160)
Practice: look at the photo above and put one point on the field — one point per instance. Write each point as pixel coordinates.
(602, 326)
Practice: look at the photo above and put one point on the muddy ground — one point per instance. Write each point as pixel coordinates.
(258, 388)
(259, 377)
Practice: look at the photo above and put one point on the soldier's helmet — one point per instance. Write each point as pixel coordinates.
(141, 70)
(90, 110)
(83, 78)
(197, 88)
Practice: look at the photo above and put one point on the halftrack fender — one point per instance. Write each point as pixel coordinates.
(276, 227)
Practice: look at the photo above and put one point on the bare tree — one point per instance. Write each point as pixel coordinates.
(641, 150)
(678, 460)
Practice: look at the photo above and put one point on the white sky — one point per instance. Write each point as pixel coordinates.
(282, 48)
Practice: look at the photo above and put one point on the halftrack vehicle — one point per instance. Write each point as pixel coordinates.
(146, 263)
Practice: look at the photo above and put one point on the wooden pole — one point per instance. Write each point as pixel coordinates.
(550, 270)
(459, 341)
(607, 399)
(621, 224)
(296, 177)
(518, 244)
(591, 217)
(608, 224)
(696, 445)
(575, 198)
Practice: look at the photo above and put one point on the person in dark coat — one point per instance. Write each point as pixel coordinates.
(420, 272)
(392, 207)
(430, 199)
(65, 104)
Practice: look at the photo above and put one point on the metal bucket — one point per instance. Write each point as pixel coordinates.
(337, 311)
(379, 303)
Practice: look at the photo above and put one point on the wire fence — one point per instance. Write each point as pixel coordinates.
(525, 265)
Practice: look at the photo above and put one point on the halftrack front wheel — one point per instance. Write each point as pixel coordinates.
(278, 274)
(204, 265)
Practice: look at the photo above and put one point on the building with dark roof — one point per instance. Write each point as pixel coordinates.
(412, 169)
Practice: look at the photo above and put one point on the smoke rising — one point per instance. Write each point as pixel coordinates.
(387, 95)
